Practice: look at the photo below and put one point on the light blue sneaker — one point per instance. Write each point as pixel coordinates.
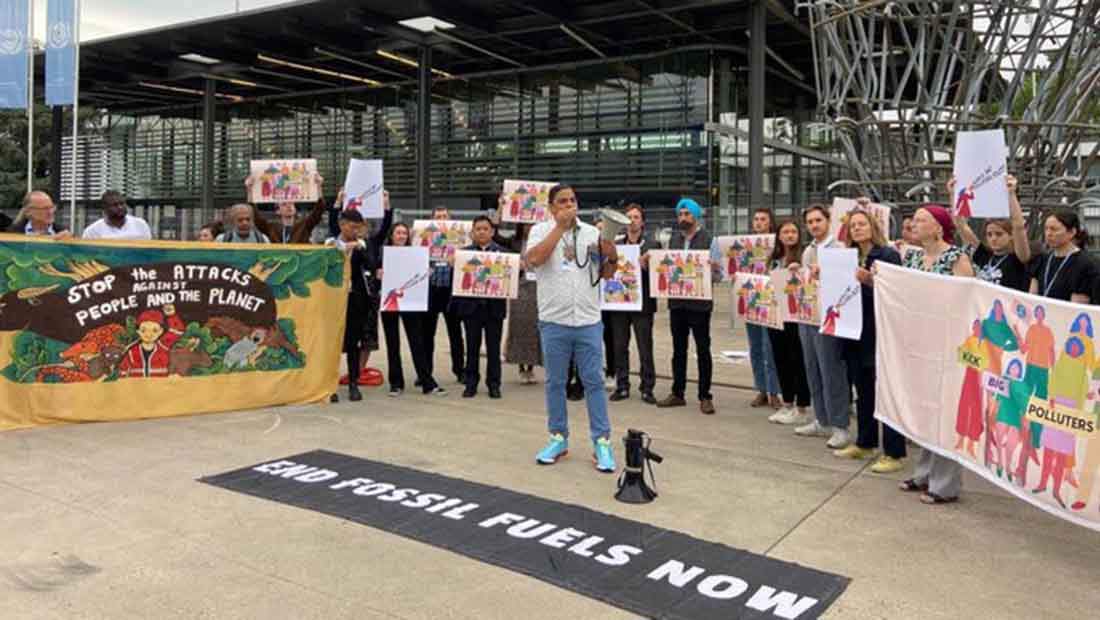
(556, 449)
(604, 456)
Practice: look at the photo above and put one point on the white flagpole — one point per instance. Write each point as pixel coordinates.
(76, 110)
(30, 96)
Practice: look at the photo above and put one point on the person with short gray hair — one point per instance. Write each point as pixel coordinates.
(240, 226)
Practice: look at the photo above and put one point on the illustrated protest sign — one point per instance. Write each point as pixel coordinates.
(680, 274)
(441, 237)
(525, 202)
(981, 164)
(623, 292)
(405, 278)
(745, 254)
(363, 187)
(492, 275)
(840, 293)
(283, 180)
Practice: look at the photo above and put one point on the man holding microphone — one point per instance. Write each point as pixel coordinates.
(569, 257)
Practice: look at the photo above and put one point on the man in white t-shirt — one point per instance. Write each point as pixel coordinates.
(116, 223)
(569, 258)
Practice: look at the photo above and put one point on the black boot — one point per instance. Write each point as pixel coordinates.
(353, 393)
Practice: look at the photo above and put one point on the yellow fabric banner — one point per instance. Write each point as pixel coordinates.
(1005, 383)
(105, 331)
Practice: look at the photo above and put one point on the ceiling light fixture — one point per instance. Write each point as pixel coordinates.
(426, 24)
(199, 58)
(189, 91)
(409, 62)
(318, 70)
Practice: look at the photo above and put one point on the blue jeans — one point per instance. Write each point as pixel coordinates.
(585, 346)
(827, 375)
(764, 375)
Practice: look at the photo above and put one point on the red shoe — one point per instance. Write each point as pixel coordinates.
(344, 380)
(371, 377)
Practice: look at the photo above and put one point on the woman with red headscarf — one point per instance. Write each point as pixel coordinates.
(938, 478)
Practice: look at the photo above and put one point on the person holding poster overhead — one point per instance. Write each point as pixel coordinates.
(939, 479)
(865, 235)
(823, 355)
(482, 317)
(690, 316)
(641, 321)
(569, 258)
(288, 228)
(414, 326)
(1003, 257)
(785, 343)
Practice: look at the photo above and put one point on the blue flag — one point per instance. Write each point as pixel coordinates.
(14, 40)
(61, 33)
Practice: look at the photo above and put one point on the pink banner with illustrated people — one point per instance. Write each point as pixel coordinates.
(755, 300)
(1003, 382)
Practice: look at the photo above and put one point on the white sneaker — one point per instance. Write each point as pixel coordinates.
(813, 429)
(611, 383)
(782, 414)
(840, 439)
(796, 418)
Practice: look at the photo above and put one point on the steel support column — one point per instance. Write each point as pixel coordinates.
(424, 131)
(208, 147)
(55, 155)
(757, 50)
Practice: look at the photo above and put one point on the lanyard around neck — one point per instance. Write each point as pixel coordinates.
(1048, 282)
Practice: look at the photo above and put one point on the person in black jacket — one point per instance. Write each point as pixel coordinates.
(864, 233)
(482, 316)
(371, 262)
(641, 321)
(349, 242)
(690, 316)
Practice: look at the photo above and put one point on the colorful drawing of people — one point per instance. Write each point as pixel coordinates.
(962, 201)
(1038, 346)
(487, 277)
(829, 326)
(733, 256)
(150, 355)
(623, 287)
(1090, 467)
(793, 290)
(1010, 416)
(997, 337)
(743, 298)
(968, 421)
(681, 275)
(1069, 386)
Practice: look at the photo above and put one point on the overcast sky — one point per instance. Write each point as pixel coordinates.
(104, 18)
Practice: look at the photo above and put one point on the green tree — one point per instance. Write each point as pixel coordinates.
(13, 150)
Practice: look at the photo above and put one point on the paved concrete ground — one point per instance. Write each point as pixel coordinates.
(107, 520)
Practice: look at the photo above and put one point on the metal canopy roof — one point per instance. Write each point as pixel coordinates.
(304, 49)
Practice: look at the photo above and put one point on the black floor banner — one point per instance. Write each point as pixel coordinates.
(638, 567)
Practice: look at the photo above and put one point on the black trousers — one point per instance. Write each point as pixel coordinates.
(893, 443)
(440, 298)
(477, 326)
(414, 326)
(789, 365)
(687, 323)
(642, 323)
(610, 361)
(353, 333)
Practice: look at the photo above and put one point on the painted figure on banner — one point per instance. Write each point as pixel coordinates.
(998, 338)
(968, 420)
(1010, 416)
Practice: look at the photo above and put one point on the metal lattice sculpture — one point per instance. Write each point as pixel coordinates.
(898, 79)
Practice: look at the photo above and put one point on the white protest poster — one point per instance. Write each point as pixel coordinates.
(283, 180)
(981, 163)
(405, 276)
(842, 207)
(623, 292)
(363, 187)
(839, 296)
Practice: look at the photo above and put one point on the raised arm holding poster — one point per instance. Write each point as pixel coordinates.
(363, 187)
(981, 163)
(283, 180)
(839, 295)
(92, 332)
